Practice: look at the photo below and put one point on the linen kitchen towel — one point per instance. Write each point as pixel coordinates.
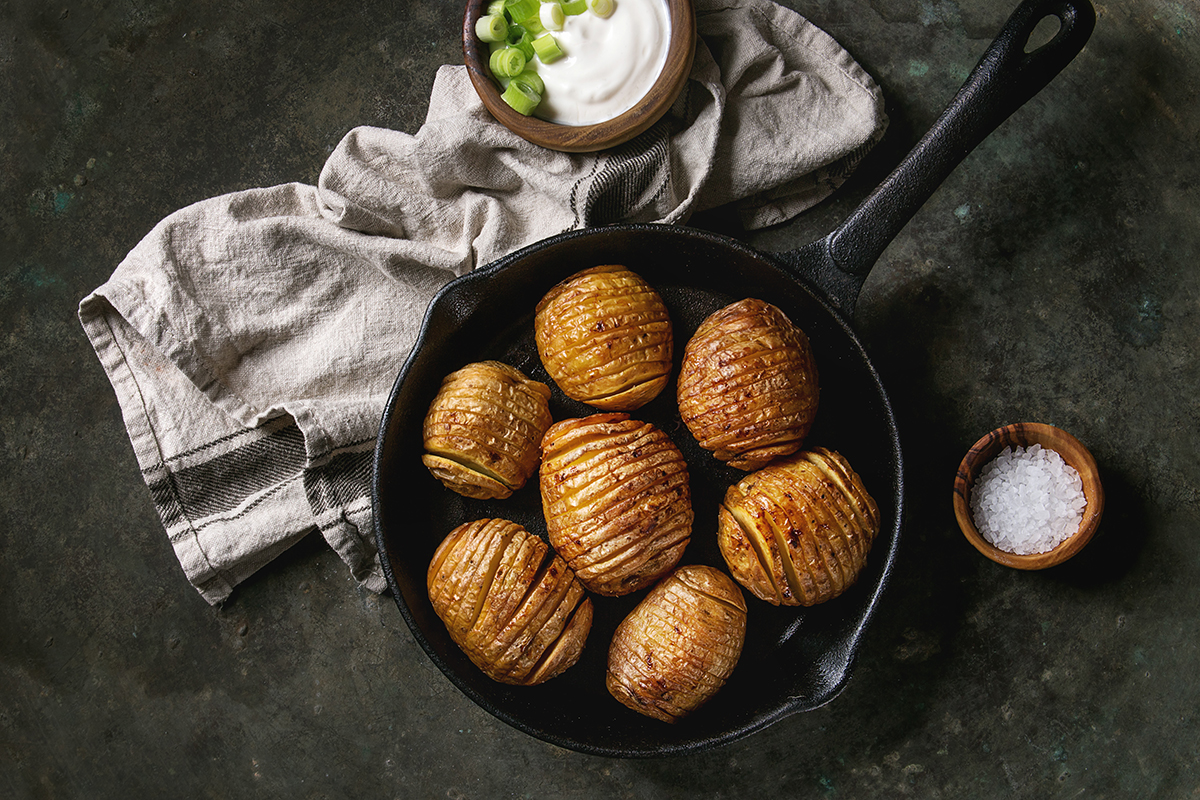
(252, 338)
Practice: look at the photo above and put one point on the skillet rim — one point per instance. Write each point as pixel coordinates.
(842, 658)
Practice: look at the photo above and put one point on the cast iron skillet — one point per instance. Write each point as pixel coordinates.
(793, 660)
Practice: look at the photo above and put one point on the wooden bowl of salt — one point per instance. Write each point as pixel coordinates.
(1028, 496)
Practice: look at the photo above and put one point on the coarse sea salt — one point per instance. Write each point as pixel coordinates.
(1027, 500)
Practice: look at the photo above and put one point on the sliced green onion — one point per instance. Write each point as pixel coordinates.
(531, 79)
(601, 8)
(552, 16)
(507, 62)
(519, 38)
(494, 7)
(547, 49)
(574, 7)
(521, 10)
(492, 28)
(522, 99)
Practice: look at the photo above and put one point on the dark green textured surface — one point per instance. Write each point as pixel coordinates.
(1052, 278)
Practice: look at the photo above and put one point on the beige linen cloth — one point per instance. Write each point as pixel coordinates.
(252, 339)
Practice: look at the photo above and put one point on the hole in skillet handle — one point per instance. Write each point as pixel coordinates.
(1043, 33)
(1004, 79)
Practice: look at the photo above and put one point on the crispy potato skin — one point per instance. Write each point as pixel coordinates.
(512, 605)
(605, 337)
(484, 428)
(677, 648)
(616, 499)
(798, 531)
(748, 387)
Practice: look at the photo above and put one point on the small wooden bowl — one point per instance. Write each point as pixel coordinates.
(1024, 434)
(602, 135)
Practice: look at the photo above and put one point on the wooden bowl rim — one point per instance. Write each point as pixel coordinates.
(602, 135)
(1024, 434)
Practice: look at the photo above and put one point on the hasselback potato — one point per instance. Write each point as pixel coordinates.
(484, 428)
(605, 337)
(747, 388)
(798, 531)
(510, 603)
(616, 499)
(679, 645)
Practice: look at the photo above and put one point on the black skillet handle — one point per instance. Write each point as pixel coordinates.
(1005, 78)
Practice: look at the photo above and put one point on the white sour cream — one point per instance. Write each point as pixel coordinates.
(608, 64)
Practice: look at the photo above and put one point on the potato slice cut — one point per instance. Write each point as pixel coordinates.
(605, 337)
(798, 531)
(510, 603)
(748, 386)
(617, 501)
(679, 646)
(483, 430)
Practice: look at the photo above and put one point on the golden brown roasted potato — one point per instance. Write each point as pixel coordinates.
(616, 498)
(798, 531)
(748, 385)
(679, 645)
(605, 338)
(484, 429)
(510, 603)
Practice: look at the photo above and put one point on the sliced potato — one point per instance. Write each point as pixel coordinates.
(616, 499)
(748, 385)
(605, 338)
(798, 531)
(679, 645)
(484, 428)
(510, 603)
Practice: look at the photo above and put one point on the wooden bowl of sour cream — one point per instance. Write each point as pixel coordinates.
(605, 123)
(1011, 506)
